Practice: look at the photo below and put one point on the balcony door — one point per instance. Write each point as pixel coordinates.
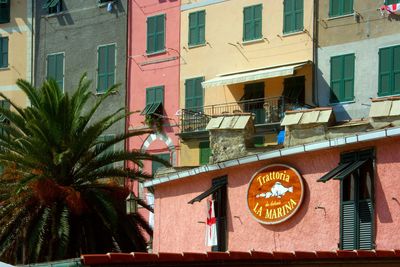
(253, 101)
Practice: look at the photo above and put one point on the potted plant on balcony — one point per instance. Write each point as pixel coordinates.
(154, 121)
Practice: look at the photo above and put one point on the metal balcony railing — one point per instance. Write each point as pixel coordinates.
(266, 110)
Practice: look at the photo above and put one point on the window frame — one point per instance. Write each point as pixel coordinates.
(341, 11)
(198, 28)
(197, 97)
(334, 99)
(296, 28)
(58, 8)
(252, 22)
(392, 72)
(2, 53)
(63, 72)
(98, 92)
(155, 33)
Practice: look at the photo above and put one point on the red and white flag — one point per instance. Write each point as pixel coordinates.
(211, 230)
(390, 9)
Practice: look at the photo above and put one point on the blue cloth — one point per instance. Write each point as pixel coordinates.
(109, 7)
(281, 137)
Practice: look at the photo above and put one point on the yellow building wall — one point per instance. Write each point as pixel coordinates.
(190, 153)
(19, 33)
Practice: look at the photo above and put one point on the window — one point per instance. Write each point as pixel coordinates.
(53, 6)
(356, 208)
(294, 89)
(194, 94)
(389, 71)
(106, 67)
(55, 68)
(3, 52)
(342, 78)
(390, 2)
(220, 198)
(106, 138)
(293, 16)
(205, 152)
(252, 22)
(4, 11)
(197, 25)
(156, 34)
(340, 7)
(157, 165)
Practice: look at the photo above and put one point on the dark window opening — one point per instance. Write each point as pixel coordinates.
(220, 198)
(294, 90)
(5, 11)
(253, 101)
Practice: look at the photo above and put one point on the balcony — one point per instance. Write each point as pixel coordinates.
(266, 110)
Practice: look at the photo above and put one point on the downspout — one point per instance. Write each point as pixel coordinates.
(33, 25)
(127, 80)
(315, 53)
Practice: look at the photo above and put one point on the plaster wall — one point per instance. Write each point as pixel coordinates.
(365, 76)
(180, 226)
(78, 31)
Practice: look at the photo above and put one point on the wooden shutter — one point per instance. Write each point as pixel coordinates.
(205, 152)
(160, 33)
(396, 70)
(193, 30)
(201, 25)
(288, 24)
(334, 7)
(5, 11)
(348, 78)
(257, 24)
(3, 52)
(390, 2)
(336, 78)
(194, 94)
(385, 71)
(298, 15)
(348, 225)
(248, 23)
(347, 7)
(102, 69)
(110, 65)
(151, 37)
(365, 224)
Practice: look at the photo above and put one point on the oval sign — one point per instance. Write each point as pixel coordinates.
(275, 193)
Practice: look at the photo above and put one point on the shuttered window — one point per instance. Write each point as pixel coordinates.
(4, 11)
(156, 165)
(3, 52)
(194, 94)
(252, 22)
(340, 7)
(106, 67)
(55, 68)
(197, 25)
(220, 198)
(356, 209)
(156, 34)
(389, 71)
(205, 152)
(293, 16)
(155, 95)
(390, 2)
(342, 78)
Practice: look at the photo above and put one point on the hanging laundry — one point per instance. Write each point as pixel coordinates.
(390, 9)
(109, 6)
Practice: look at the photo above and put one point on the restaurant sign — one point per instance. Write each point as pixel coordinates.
(275, 193)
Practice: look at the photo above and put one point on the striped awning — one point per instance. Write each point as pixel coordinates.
(253, 75)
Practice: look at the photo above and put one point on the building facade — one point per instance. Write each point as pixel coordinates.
(76, 37)
(257, 57)
(16, 47)
(153, 79)
(358, 55)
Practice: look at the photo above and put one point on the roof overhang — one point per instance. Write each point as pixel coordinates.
(253, 75)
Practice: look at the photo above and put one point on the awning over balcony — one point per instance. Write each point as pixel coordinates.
(253, 75)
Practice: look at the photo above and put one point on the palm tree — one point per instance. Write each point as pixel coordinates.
(57, 198)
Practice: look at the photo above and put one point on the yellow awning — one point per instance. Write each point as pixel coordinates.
(252, 75)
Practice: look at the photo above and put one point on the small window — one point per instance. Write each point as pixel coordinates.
(205, 152)
(340, 7)
(55, 68)
(197, 24)
(252, 23)
(155, 95)
(194, 94)
(389, 71)
(4, 11)
(342, 78)
(106, 67)
(53, 6)
(157, 165)
(293, 16)
(156, 34)
(3, 52)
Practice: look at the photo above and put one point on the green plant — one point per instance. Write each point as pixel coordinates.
(154, 121)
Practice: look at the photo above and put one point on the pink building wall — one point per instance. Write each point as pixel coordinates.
(146, 71)
(177, 226)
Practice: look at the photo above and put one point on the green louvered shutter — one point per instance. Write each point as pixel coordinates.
(3, 52)
(385, 71)
(106, 67)
(365, 225)
(396, 70)
(197, 28)
(156, 165)
(205, 152)
(248, 23)
(160, 34)
(340, 7)
(194, 94)
(288, 24)
(336, 78)
(348, 78)
(347, 7)
(298, 15)
(257, 28)
(390, 2)
(334, 8)
(155, 95)
(348, 235)
(5, 11)
(55, 68)
(201, 27)
(151, 36)
(156, 34)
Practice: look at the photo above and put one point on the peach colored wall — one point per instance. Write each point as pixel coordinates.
(146, 71)
(176, 222)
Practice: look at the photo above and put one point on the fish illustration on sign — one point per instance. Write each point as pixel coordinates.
(277, 190)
